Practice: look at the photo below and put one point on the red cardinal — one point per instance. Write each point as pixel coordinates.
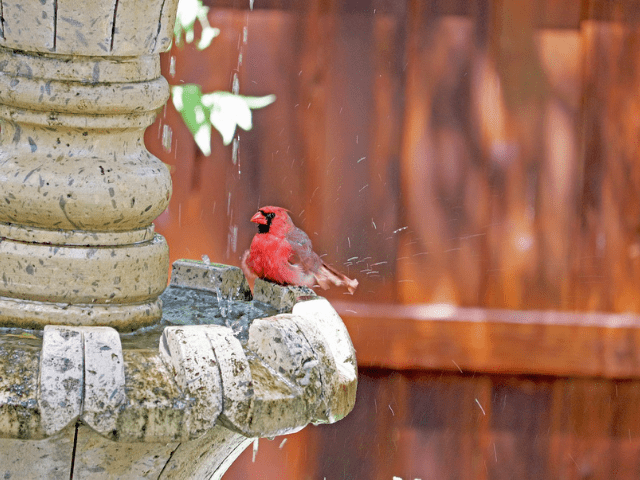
(281, 252)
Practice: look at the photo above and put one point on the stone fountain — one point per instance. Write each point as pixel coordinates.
(95, 381)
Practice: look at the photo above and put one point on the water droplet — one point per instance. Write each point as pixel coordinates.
(236, 84)
(167, 136)
(234, 151)
(255, 442)
(233, 238)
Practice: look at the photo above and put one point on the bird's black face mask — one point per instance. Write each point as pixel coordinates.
(264, 228)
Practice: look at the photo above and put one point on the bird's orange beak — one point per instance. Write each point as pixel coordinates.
(259, 218)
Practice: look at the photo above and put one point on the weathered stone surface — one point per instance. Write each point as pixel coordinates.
(326, 368)
(75, 237)
(277, 407)
(288, 385)
(100, 459)
(79, 69)
(23, 30)
(19, 413)
(282, 298)
(207, 457)
(63, 96)
(103, 379)
(60, 274)
(224, 280)
(144, 27)
(83, 26)
(48, 459)
(91, 27)
(89, 186)
(324, 328)
(61, 379)
(156, 410)
(24, 313)
(235, 374)
(190, 356)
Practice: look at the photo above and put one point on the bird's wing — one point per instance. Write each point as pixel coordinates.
(302, 260)
(311, 269)
(302, 253)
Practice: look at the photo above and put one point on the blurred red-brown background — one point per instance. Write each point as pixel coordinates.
(474, 163)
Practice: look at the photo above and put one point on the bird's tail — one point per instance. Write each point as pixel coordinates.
(327, 275)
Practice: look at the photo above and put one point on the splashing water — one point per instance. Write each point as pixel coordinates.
(167, 137)
(232, 239)
(204, 308)
(235, 89)
(255, 446)
(234, 152)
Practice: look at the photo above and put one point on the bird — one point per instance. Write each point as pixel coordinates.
(282, 253)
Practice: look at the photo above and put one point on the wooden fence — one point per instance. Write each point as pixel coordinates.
(474, 163)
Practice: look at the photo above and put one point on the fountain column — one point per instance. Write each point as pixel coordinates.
(79, 83)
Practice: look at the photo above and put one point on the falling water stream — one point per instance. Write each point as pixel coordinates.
(186, 306)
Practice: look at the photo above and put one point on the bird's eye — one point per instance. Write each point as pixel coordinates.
(270, 216)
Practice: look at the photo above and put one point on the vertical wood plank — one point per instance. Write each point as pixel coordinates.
(557, 225)
(340, 182)
(445, 184)
(382, 161)
(310, 111)
(520, 421)
(609, 268)
(445, 432)
(364, 444)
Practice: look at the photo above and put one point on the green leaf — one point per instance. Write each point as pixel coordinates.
(223, 110)
(188, 12)
(188, 102)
